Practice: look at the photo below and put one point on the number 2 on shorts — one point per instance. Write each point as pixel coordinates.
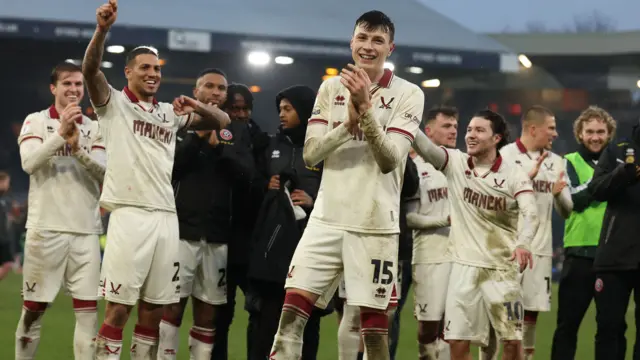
(176, 276)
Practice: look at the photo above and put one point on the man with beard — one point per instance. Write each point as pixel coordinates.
(593, 130)
(141, 260)
(206, 165)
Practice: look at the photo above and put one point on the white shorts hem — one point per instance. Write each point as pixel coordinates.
(370, 306)
(536, 309)
(86, 298)
(121, 301)
(475, 340)
(210, 302)
(303, 288)
(160, 302)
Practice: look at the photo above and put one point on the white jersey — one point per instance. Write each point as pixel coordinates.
(516, 154)
(431, 245)
(63, 195)
(140, 142)
(354, 194)
(484, 210)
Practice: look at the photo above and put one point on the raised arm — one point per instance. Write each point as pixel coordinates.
(198, 115)
(97, 84)
(430, 152)
(320, 142)
(418, 221)
(391, 146)
(95, 161)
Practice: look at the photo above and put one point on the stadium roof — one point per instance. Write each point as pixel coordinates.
(576, 44)
(329, 20)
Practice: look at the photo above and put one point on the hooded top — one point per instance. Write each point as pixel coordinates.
(302, 98)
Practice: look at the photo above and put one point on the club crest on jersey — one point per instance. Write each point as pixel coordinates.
(497, 184)
(386, 105)
(85, 135)
(339, 100)
(226, 134)
(162, 117)
(467, 173)
(549, 166)
(316, 111)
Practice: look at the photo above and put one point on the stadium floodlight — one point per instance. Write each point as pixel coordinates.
(414, 70)
(283, 60)
(107, 64)
(524, 60)
(432, 83)
(389, 65)
(115, 49)
(638, 84)
(258, 58)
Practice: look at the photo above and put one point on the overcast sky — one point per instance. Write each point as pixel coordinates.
(496, 15)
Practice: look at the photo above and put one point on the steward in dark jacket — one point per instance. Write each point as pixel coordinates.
(291, 191)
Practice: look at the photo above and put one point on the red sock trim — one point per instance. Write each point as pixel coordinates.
(172, 322)
(298, 304)
(85, 305)
(374, 322)
(530, 317)
(110, 333)
(33, 306)
(145, 333)
(203, 335)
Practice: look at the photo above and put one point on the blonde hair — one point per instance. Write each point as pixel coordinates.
(598, 113)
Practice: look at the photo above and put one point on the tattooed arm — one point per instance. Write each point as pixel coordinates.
(97, 84)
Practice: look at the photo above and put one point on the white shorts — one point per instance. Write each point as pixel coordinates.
(431, 282)
(203, 271)
(536, 284)
(369, 262)
(141, 259)
(55, 259)
(395, 293)
(478, 298)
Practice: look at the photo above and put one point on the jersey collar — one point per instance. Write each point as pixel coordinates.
(522, 148)
(133, 98)
(494, 168)
(53, 113)
(385, 80)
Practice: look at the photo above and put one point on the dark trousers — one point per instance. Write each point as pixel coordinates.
(577, 281)
(271, 299)
(405, 283)
(613, 290)
(236, 278)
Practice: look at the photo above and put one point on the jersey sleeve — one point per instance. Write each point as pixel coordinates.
(321, 109)
(97, 143)
(182, 121)
(32, 129)
(103, 110)
(521, 183)
(407, 118)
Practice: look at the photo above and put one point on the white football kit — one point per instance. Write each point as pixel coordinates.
(536, 282)
(483, 288)
(354, 225)
(63, 217)
(203, 269)
(428, 217)
(141, 259)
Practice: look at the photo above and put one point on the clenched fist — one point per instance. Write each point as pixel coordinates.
(106, 14)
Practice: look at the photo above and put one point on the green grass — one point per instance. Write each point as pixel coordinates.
(57, 330)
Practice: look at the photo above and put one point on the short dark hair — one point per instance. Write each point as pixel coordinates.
(445, 110)
(61, 68)
(536, 114)
(241, 89)
(374, 20)
(212, 71)
(4, 175)
(140, 50)
(498, 125)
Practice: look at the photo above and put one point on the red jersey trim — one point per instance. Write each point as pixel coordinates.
(402, 132)
(30, 137)
(318, 121)
(94, 147)
(522, 192)
(446, 158)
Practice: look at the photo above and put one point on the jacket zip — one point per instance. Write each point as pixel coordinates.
(606, 238)
(272, 239)
(176, 190)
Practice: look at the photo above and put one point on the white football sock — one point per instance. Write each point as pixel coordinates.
(27, 340)
(444, 351)
(201, 343)
(169, 341)
(529, 339)
(108, 345)
(349, 333)
(86, 330)
(287, 344)
(144, 345)
(428, 351)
